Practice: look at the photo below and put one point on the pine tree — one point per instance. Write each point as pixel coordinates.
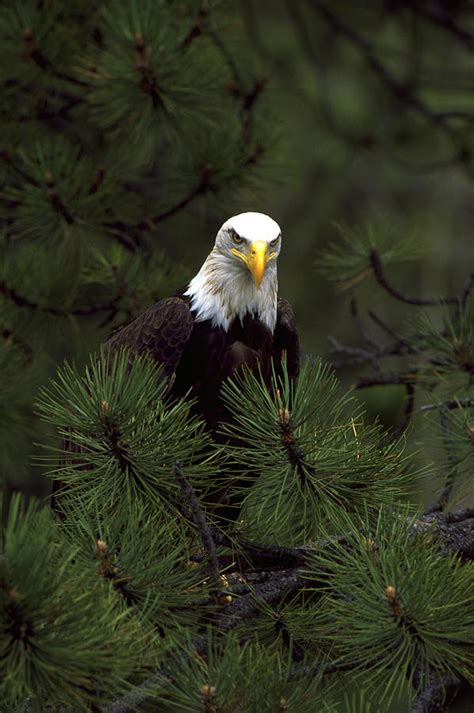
(334, 590)
(116, 116)
(327, 577)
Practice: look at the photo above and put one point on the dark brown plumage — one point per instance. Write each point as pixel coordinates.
(197, 357)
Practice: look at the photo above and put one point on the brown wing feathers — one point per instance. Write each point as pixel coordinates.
(162, 331)
(286, 341)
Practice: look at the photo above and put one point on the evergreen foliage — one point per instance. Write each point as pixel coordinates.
(345, 262)
(310, 454)
(329, 592)
(433, 357)
(394, 578)
(115, 117)
(120, 438)
(61, 638)
(344, 578)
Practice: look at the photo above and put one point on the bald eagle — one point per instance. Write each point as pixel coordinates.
(229, 316)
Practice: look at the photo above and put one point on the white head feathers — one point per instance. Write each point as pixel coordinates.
(244, 256)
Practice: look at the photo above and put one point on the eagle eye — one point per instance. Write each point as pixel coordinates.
(238, 240)
(274, 243)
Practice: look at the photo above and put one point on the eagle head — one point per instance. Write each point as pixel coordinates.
(239, 276)
(254, 239)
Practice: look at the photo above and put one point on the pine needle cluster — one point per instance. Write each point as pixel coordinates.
(310, 454)
(61, 638)
(383, 605)
(120, 437)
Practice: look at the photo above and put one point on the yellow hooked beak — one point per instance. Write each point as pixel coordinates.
(256, 260)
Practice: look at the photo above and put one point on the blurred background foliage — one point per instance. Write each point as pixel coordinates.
(132, 130)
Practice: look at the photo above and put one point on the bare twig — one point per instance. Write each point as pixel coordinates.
(360, 327)
(21, 301)
(377, 267)
(137, 695)
(200, 188)
(459, 515)
(324, 668)
(400, 343)
(200, 521)
(445, 21)
(272, 591)
(388, 379)
(431, 699)
(354, 355)
(400, 90)
(396, 432)
(468, 286)
(451, 458)
(449, 405)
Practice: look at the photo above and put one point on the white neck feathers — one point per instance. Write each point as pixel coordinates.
(224, 290)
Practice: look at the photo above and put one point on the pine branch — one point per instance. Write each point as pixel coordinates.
(21, 301)
(272, 591)
(459, 516)
(200, 188)
(262, 557)
(138, 695)
(127, 235)
(434, 698)
(377, 267)
(18, 299)
(360, 355)
(468, 287)
(246, 97)
(324, 668)
(149, 82)
(388, 379)
(176, 208)
(452, 461)
(277, 587)
(445, 21)
(449, 405)
(36, 55)
(400, 90)
(200, 521)
(8, 158)
(294, 452)
(56, 200)
(343, 355)
(198, 27)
